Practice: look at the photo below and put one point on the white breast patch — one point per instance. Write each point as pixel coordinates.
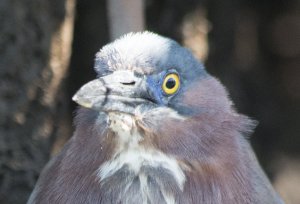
(130, 153)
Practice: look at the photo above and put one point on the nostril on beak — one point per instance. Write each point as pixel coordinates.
(131, 83)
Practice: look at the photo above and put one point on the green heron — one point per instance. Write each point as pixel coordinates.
(154, 128)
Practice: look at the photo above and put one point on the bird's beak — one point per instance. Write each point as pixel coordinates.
(121, 91)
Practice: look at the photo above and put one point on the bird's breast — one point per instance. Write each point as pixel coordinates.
(152, 173)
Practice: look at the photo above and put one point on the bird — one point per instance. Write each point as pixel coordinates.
(154, 127)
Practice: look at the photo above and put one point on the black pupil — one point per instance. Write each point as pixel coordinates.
(171, 83)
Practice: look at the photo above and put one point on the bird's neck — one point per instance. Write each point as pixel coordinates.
(178, 161)
(138, 162)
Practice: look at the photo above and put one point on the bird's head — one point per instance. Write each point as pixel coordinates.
(162, 86)
(143, 72)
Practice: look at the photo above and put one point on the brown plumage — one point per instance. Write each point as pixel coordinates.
(140, 138)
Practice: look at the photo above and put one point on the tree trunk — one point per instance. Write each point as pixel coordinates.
(35, 46)
(125, 16)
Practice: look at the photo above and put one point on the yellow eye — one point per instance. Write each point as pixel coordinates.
(171, 84)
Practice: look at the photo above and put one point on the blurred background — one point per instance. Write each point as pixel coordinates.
(47, 50)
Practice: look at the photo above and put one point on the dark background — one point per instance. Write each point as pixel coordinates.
(252, 46)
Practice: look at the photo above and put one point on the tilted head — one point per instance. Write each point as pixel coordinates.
(164, 88)
(144, 71)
